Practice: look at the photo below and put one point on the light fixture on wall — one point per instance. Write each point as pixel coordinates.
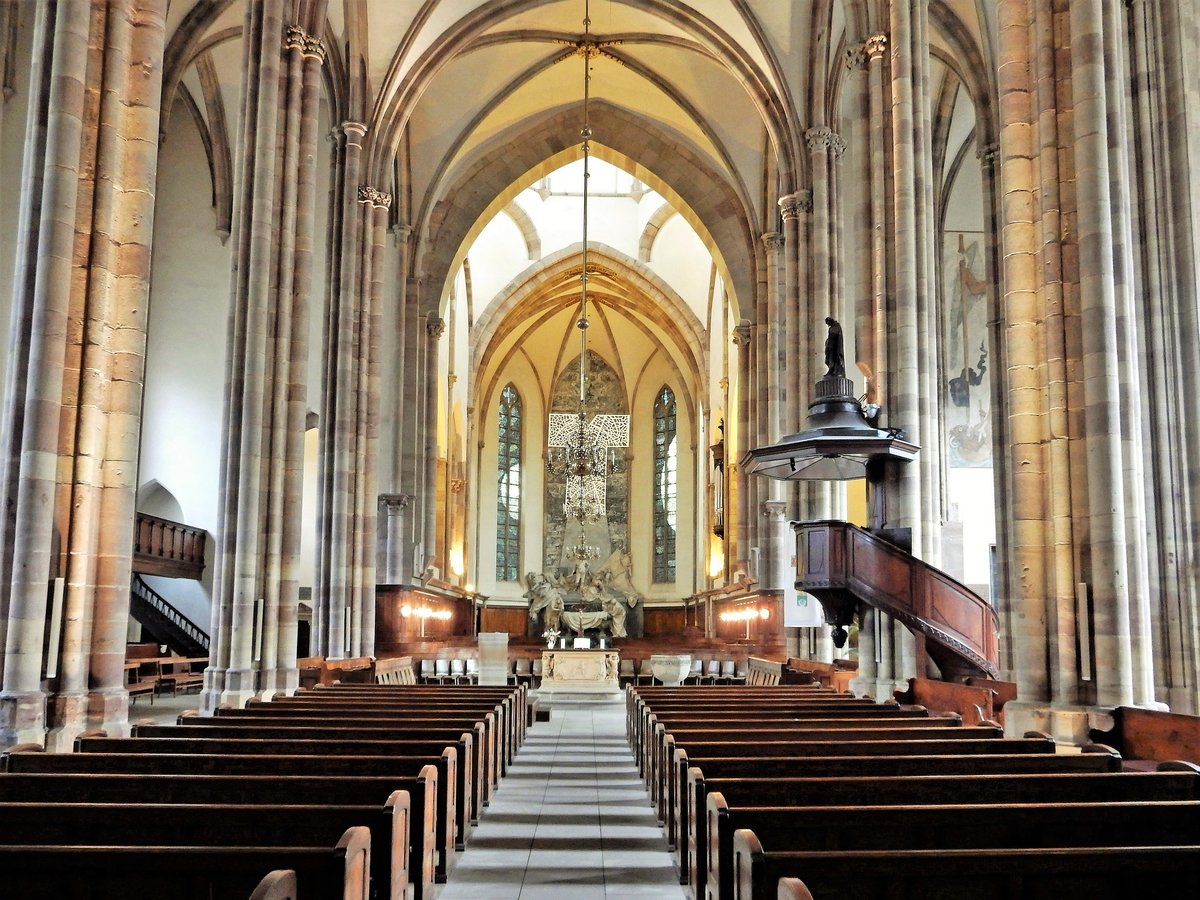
(580, 450)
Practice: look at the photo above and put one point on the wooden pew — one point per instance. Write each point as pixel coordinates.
(267, 790)
(1152, 735)
(47, 872)
(664, 791)
(662, 749)
(1111, 873)
(420, 776)
(277, 885)
(1106, 787)
(924, 827)
(212, 824)
(488, 751)
(495, 747)
(688, 771)
(446, 761)
(512, 701)
(471, 772)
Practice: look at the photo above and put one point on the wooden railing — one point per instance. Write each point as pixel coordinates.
(163, 547)
(167, 624)
(841, 564)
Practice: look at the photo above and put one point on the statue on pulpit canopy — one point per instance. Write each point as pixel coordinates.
(835, 354)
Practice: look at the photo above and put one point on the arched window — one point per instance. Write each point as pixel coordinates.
(508, 487)
(666, 467)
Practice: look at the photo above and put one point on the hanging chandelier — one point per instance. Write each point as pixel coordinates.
(580, 450)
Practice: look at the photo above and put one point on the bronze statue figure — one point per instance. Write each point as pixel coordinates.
(835, 357)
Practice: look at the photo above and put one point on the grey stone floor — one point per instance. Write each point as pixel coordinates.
(570, 820)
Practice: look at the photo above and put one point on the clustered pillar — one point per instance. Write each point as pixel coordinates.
(73, 410)
(256, 590)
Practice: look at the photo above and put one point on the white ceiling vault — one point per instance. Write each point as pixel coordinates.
(708, 99)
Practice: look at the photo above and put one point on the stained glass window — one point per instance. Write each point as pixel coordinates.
(508, 487)
(666, 467)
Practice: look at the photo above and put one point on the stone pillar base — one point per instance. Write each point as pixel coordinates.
(228, 687)
(69, 712)
(1066, 724)
(281, 683)
(22, 718)
(878, 689)
(108, 708)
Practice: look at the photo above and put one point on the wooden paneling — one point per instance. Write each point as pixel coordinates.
(511, 619)
(663, 622)
(393, 630)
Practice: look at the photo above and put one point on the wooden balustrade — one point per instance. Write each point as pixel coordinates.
(163, 547)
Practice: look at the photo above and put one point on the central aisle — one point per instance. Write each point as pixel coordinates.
(570, 820)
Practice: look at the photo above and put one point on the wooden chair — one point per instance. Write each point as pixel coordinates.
(472, 670)
(728, 672)
(535, 673)
(697, 672)
(712, 672)
(458, 672)
(441, 671)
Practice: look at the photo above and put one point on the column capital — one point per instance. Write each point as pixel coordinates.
(775, 510)
(876, 46)
(296, 38)
(789, 206)
(824, 138)
(391, 502)
(374, 196)
(353, 132)
(772, 240)
(988, 154)
(434, 328)
(741, 334)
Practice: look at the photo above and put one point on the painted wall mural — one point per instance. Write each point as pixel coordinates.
(967, 385)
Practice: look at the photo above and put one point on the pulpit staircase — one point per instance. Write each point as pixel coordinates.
(165, 624)
(843, 566)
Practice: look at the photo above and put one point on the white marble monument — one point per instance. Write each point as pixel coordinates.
(581, 671)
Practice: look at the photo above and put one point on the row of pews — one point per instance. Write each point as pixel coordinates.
(359, 792)
(801, 792)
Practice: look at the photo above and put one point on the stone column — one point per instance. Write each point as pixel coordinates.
(1100, 352)
(345, 582)
(777, 544)
(255, 588)
(73, 408)
(825, 146)
(434, 329)
(792, 411)
(741, 549)
(876, 353)
(394, 509)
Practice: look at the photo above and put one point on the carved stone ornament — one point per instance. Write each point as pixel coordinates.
(374, 196)
(988, 154)
(805, 201)
(824, 138)
(773, 240)
(773, 509)
(395, 501)
(296, 38)
(435, 328)
(789, 207)
(876, 46)
(855, 57)
(741, 335)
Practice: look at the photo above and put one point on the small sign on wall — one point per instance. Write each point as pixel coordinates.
(801, 610)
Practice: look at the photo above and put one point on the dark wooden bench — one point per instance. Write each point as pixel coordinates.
(688, 770)
(471, 771)
(1149, 734)
(47, 872)
(925, 827)
(268, 790)
(221, 825)
(508, 708)
(1111, 873)
(1076, 787)
(432, 772)
(495, 747)
(664, 788)
(277, 885)
(662, 749)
